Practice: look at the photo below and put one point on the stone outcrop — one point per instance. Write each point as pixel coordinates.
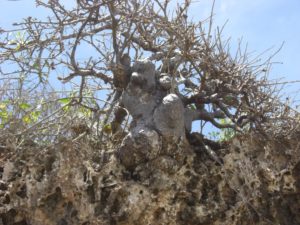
(154, 175)
(258, 183)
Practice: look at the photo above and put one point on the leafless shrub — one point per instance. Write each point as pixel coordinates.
(86, 47)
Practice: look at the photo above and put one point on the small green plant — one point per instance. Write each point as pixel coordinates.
(4, 113)
(224, 134)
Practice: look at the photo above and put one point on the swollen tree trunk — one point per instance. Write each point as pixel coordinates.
(156, 138)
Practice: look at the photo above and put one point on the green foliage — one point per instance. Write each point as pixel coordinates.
(65, 101)
(224, 134)
(24, 106)
(31, 117)
(4, 114)
(19, 110)
(214, 135)
(18, 40)
(107, 128)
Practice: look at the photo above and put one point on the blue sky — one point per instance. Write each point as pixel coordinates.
(261, 23)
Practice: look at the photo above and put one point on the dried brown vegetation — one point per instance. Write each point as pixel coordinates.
(85, 46)
(114, 144)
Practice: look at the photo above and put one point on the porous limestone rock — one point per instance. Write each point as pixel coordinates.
(155, 176)
(79, 184)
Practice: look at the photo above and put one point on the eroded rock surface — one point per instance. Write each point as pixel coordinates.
(259, 183)
(155, 176)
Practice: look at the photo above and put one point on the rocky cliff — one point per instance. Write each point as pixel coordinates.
(257, 181)
(155, 172)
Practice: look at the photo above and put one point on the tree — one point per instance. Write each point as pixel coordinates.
(97, 103)
(136, 75)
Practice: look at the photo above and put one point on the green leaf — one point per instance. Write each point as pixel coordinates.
(35, 115)
(107, 128)
(65, 101)
(2, 106)
(36, 64)
(26, 119)
(193, 107)
(66, 108)
(3, 115)
(32, 117)
(85, 112)
(24, 106)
